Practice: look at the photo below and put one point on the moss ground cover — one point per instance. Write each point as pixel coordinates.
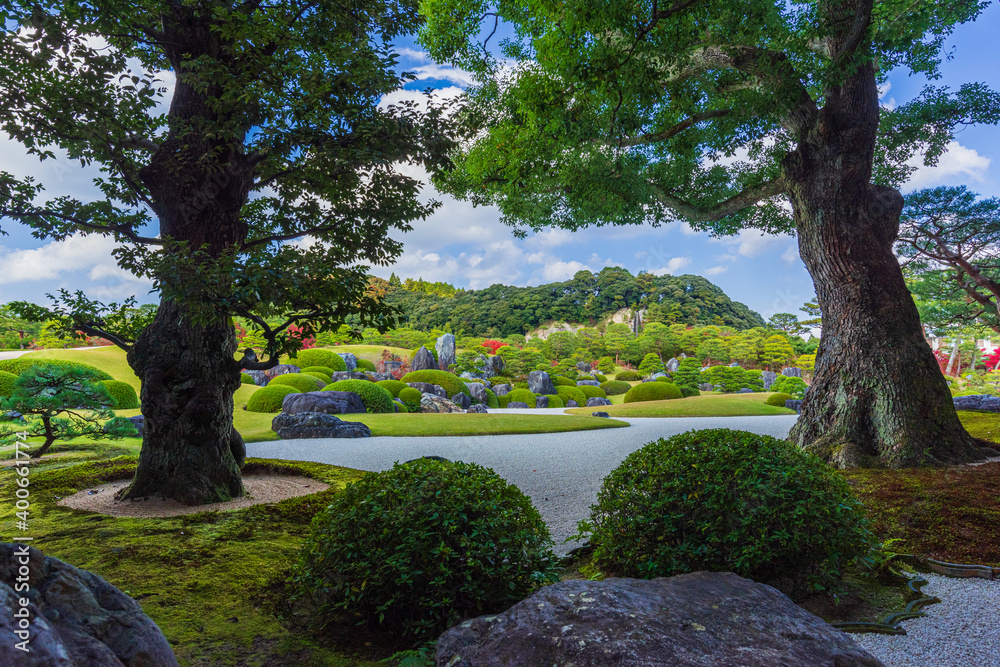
(706, 405)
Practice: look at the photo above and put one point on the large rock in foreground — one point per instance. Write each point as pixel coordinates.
(316, 425)
(708, 619)
(445, 348)
(423, 360)
(78, 619)
(328, 402)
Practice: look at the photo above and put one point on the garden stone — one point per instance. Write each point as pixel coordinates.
(768, 378)
(572, 404)
(517, 405)
(672, 365)
(745, 390)
(280, 369)
(399, 406)
(588, 383)
(259, 377)
(428, 388)
(983, 402)
(706, 386)
(466, 375)
(794, 404)
(658, 375)
(327, 402)
(378, 377)
(316, 425)
(583, 366)
(487, 366)
(648, 380)
(138, 421)
(541, 401)
(539, 382)
(478, 392)
(498, 363)
(716, 387)
(78, 618)
(597, 401)
(445, 348)
(735, 364)
(461, 400)
(792, 372)
(13, 416)
(436, 404)
(477, 409)
(349, 359)
(337, 376)
(598, 413)
(696, 619)
(391, 366)
(423, 360)
(501, 390)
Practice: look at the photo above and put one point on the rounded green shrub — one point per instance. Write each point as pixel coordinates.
(664, 378)
(21, 364)
(502, 401)
(790, 385)
(652, 391)
(7, 381)
(421, 546)
(675, 506)
(246, 379)
(325, 370)
(491, 399)
(592, 392)
(393, 386)
(318, 356)
(410, 396)
(615, 387)
(325, 379)
(555, 401)
(449, 381)
(574, 393)
(269, 398)
(561, 381)
(365, 365)
(300, 381)
(778, 399)
(601, 378)
(376, 399)
(122, 394)
(522, 395)
(628, 376)
(690, 391)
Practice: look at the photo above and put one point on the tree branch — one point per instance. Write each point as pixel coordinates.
(671, 132)
(115, 229)
(695, 213)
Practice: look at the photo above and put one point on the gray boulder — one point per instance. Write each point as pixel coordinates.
(501, 390)
(572, 404)
(423, 360)
(337, 376)
(697, 619)
(259, 377)
(597, 401)
(589, 383)
(378, 377)
(280, 369)
(349, 359)
(77, 618)
(139, 422)
(583, 366)
(498, 363)
(436, 404)
(478, 408)
(461, 400)
(981, 402)
(316, 425)
(599, 413)
(768, 378)
(541, 401)
(391, 366)
(445, 348)
(478, 392)
(792, 372)
(428, 388)
(326, 402)
(794, 404)
(539, 382)
(735, 364)
(672, 365)
(745, 390)
(706, 386)
(517, 405)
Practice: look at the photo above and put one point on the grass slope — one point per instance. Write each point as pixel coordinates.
(719, 405)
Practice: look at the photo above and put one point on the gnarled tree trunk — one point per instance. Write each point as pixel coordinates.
(878, 397)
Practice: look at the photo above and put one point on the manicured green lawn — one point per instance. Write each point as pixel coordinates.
(110, 359)
(715, 405)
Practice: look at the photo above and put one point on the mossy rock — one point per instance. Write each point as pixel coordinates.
(269, 398)
(300, 381)
(123, 396)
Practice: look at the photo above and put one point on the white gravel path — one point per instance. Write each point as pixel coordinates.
(962, 631)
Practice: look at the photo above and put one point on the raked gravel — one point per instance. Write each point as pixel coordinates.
(963, 630)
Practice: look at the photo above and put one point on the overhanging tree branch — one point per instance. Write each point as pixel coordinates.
(695, 213)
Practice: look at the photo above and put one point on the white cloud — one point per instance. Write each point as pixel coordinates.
(883, 90)
(559, 270)
(425, 68)
(791, 255)
(959, 161)
(715, 270)
(552, 238)
(672, 267)
(752, 242)
(92, 253)
(726, 257)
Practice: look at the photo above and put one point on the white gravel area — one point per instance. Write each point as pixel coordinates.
(963, 630)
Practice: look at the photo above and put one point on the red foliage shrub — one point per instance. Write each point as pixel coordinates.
(494, 345)
(298, 333)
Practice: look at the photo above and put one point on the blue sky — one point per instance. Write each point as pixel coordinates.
(469, 247)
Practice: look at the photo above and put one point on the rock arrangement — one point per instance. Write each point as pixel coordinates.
(445, 348)
(478, 392)
(461, 400)
(588, 383)
(792, 372)
(768, 378)
(317, 425)
(702, 618)
(327, 402)
(280, 369)
(983, 402)
(77, 618)
(428, 388)
(349, 359)
(423, 360)
(436, 404)
(597, 401)
(539, 382)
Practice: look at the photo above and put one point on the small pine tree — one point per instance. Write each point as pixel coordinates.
(606, 365)
(688, 374)
(650, 364)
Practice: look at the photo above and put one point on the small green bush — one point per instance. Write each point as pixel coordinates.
(421, 546)
(560, 381)
(652, 391)
(7, 383)
(574, 393)
(690, 391)
(21, 364)
(675, 506)
(393, 386)
(325, 379)
(451, 383)
(628, 376)
(502, 401)
(664, 378)
(325, 370)
(606, 365)
(122, 394)
(376, 399)
(556, 402)
(365, 365)
(399, 407)
(246, 379)
(688, 373)
(592, 392)
(491, 399)
(319, 357)
(615, 387)
(522, 395)
(790, 385)
(778, 399)
(269, 398)
(410, 396)
(300, 381)
(600, 378)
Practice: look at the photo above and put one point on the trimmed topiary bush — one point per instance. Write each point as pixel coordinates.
(628, 376)
(502, 401)
(560, 381)
(325, 379)
(790, 385)
(556, 402)
(246, 379)
(778, 399)
(730, 378)
(664, 378)
(592, 392)
(675, 506)
(449, 381)
(319, 357)
(573, 393)
(325, 370)
(652, 391)
(491, 399)
(522, 395)
(410, 396)
(688, 373)
(690, 391)
(393, 386)
(300, 381)
(365, 365)
(21, 364)
(376, 399)
(421, 546)
(7, 383)
(600, 378)
(615, 387)
(269, 398)
(122, 394)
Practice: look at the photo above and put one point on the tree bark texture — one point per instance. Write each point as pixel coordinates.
(190, 450)
(878, 398)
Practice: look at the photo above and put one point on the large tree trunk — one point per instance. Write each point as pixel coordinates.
(190, 450)
(878, 397)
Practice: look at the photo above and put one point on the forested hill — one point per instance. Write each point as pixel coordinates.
(502, 310)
